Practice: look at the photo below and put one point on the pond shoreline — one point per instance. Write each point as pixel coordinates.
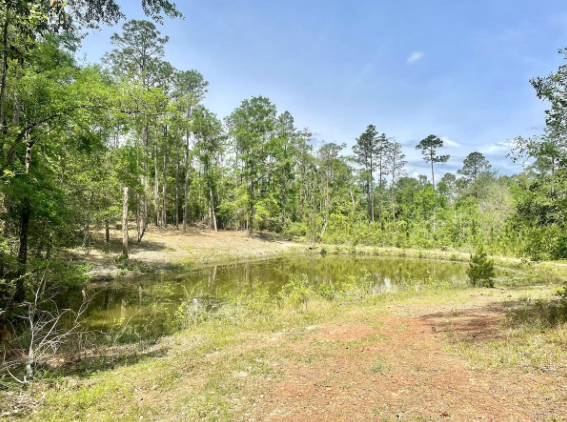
(169, 251)
(173, 250)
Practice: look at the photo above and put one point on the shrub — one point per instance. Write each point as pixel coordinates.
(481, 269)
(296, 292)
(326, 291)
(559, 248)
(356, 287)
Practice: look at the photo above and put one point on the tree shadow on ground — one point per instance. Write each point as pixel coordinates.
(472, 324)
(102, 252)
(95, 361)
(270, 237)
(491, 322)
(108, 360)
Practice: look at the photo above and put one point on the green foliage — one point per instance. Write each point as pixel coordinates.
(559, 248)
(137, 122)
(190, 313)
(481, 269)
(428, 148)
(473, 164)
(327, 291)
(296, 292)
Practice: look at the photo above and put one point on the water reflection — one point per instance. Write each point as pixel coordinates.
(135, 300)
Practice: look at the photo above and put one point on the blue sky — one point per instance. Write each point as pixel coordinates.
(456, 69)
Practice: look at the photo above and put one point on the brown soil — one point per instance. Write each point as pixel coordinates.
(394, 365)
(193, 248)
(414, 378)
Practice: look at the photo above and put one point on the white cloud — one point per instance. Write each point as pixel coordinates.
(496, 148)
(448, 143)
(415, 56)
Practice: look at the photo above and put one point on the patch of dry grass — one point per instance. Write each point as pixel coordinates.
(531, 333)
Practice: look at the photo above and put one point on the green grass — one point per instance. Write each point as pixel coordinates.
(378, 367)
(532, 335)
(217, 368)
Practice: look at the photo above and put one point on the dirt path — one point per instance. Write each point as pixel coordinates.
(395, 368)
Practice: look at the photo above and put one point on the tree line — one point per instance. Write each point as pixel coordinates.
(128, 142)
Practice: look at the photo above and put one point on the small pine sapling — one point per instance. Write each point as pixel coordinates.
(481, 269)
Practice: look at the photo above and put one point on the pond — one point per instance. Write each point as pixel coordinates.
(149, 298)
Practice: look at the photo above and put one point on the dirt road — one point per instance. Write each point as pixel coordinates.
(398, 368)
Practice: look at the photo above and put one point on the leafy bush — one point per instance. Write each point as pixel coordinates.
(481, 269)
(326, 291)
(356, 287)
(296, 292)
(298, 229)
(559, 248)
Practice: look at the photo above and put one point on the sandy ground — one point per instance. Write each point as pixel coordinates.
(161, 248)
(419, 380)
(389, 365)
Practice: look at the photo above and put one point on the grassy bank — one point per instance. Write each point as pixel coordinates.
(342, 355)
(532, 272)
(173, 250)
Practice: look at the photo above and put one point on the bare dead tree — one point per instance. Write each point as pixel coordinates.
(42, 330)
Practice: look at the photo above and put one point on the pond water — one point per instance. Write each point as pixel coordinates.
(148, 298)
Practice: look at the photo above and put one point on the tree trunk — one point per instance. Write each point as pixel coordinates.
(201, 211)
(177, 182)
(250, 225)
(164, 183)
(324, 229)
(20, 294)
(125, 251)
(393, 191)
(553, 177)
(432, 174)
(186, 188)
(251, 221)
(435, 196)
(143, 215)
(327, 208)
(393, 205)
(156, 185)
(212, 203)
(371, 198)
(380, 175)
(393, 210)
(5, 53)
(23, 253)
(16, 110)
(17, 106)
